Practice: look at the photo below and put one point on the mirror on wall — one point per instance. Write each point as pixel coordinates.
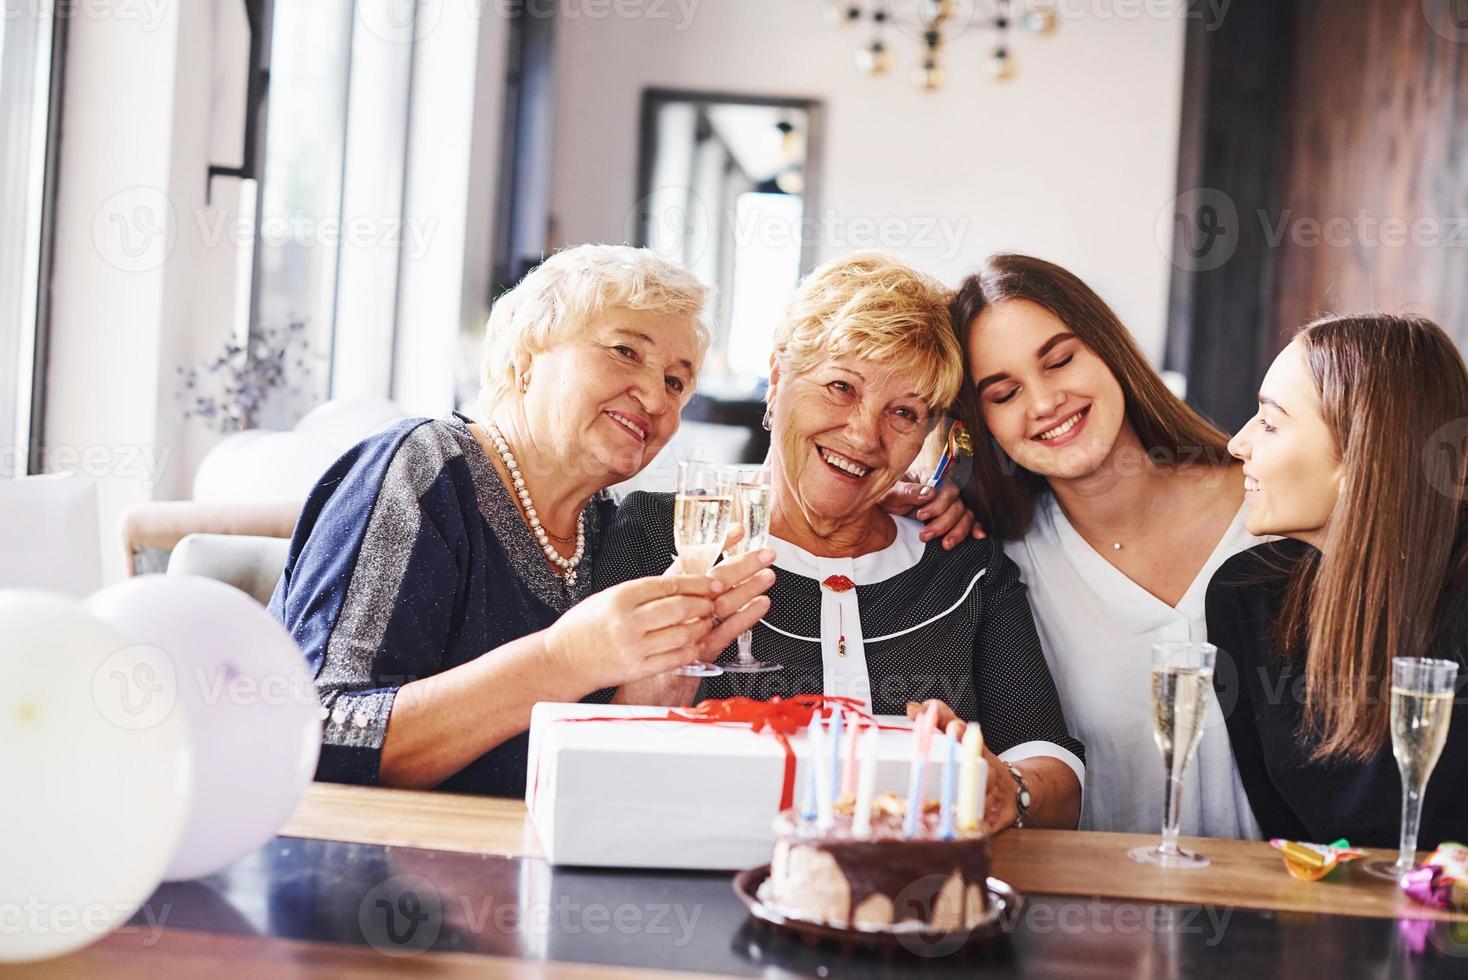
(727, 187)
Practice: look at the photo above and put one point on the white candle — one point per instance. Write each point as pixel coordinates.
(866, 785)
(970, 787)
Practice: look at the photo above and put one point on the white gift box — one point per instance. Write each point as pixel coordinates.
(665, 794)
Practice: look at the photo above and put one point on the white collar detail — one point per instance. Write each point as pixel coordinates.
(905, 551)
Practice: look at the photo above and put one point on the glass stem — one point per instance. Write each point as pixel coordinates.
(1411, 820)
(1172, 804)
(746, 647)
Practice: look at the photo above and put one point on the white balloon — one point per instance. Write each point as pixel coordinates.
(97, 776)
(245, 688)
(342, 423)
(259, 467)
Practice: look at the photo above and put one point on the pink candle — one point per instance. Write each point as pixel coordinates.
(917, 786)
(848, 772)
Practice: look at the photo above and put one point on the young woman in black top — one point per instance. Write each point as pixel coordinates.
(1357, 458)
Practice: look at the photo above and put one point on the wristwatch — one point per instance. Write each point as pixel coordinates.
(1021, 796)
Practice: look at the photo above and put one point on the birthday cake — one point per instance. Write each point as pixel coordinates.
(883, 879)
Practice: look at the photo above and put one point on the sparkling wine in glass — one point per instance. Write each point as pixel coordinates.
(752, 516)
(702, 509)
(1182, 684)
(1422, 707)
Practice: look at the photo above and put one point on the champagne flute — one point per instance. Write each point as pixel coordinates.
(701, 512)
(1182, 684)
(1422, 707)
(752, 516)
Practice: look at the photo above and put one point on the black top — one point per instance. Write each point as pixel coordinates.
(1262, 696)
(954, 626)
(410, 558)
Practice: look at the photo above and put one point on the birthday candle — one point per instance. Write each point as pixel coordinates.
(825, 814)
(917, 786)
(950, 781)
(866, 783)
(970, 787)
(835, 733)
(848, 761)
(929, 721)
(808, 787)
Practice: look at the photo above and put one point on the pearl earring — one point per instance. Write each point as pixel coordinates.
(766, 420)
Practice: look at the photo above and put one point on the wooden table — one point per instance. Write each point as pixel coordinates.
(1244, 874)
(307, 904)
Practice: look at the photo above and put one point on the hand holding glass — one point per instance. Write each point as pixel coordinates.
(752, 516)
(701, 512)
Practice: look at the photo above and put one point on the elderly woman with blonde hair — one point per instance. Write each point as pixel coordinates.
(436, 576)
(864, 367)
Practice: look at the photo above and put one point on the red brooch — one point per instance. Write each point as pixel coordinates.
(838, 583)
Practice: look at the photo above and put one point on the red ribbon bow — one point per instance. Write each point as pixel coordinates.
(783, 717)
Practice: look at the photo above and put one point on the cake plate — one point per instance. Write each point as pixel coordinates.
(991, 935)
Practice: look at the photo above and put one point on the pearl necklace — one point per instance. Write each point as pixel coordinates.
(566, 565)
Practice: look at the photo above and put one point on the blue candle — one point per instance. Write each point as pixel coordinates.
(808, 794)
(835, 753)
(946, 828)
(922, 737)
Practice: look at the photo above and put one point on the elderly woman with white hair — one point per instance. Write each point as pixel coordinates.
(865, 364)
(438, 579)
(437, 574)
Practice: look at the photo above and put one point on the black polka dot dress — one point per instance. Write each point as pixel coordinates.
(907, 623)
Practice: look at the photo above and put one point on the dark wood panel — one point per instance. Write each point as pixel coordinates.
(1229, 160)
(1333, 138)
(1377, 160)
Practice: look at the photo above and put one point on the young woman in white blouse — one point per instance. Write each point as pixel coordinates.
(1118, 502)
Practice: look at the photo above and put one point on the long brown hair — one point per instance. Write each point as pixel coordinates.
(1001, 493)
(1394, 394)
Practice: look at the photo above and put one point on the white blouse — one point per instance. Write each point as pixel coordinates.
(1097, 628)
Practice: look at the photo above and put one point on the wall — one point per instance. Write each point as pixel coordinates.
(1072, 159)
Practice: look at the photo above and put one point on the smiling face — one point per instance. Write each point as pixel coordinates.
(843, 433)
(1049, 401)
(609, 396)
(1292, 473)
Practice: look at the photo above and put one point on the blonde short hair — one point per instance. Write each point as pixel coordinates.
(559, 297)
(870, 305)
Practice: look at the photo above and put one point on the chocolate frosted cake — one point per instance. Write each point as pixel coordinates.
(881, 881)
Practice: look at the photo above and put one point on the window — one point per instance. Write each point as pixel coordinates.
(301, 186)
(27, 59)
(331, 212)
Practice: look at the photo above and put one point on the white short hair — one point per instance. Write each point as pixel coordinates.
(559, 297)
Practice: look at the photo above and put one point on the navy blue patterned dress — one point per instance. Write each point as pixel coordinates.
(411, 558)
